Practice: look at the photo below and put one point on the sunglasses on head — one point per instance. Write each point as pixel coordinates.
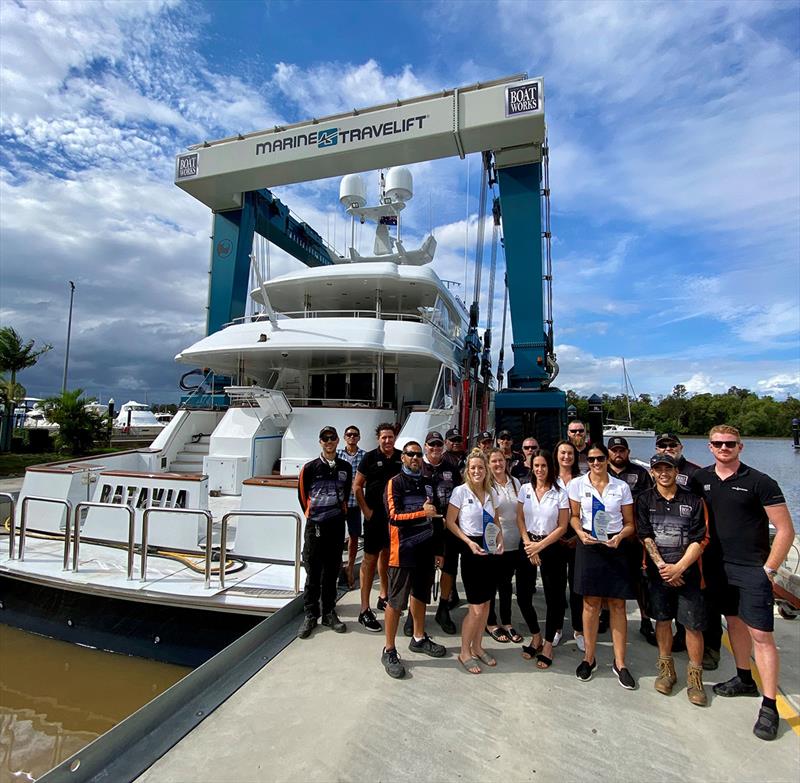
(413, 454)
(600, 458)
(435, 444)
(724, 444)
(576, 432)
(329, 438)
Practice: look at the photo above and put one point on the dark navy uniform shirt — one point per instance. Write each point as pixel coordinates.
(635, 476)
(739, 525)
(445, 477)
(377, 469)
(323, 490)
(410, 530)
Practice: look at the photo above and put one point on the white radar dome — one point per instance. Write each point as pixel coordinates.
(399, 184)
(352, 191)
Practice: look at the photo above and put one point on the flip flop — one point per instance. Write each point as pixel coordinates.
(484, 656)
(543, 662)
(470, 665)
(499, 634)
(513, 634)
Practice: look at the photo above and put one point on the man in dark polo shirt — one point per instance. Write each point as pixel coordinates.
(323, 489)
(505, 442)
(412, 552)
(374, 471)
(669, 443)
(576, 432)
(672, 526)
(740, 565)
(522, 469)
(485, 442)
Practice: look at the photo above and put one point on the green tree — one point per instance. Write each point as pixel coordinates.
(79, 428)
(15, 356)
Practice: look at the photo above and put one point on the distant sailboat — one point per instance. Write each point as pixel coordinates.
(626, 428)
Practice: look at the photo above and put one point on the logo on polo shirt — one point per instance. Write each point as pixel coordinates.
(342, 475)
(380, 463)
(707, 487)
(740, 489)
(682, 479)
(686, 511)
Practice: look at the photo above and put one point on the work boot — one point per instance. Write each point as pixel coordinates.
(710, 659)
(309, 624)
(331, 619)
(443, 618)
(666, 675)
(694, 686)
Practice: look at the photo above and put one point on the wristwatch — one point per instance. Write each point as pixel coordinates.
(771, 572)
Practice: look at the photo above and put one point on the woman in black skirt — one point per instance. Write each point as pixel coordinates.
(470, 506)
(601, 568)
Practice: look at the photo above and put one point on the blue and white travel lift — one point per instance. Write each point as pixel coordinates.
(503, 119)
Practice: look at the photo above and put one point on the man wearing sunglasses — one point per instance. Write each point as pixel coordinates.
(669, 443)
(412, 553)
(741, 565)
(323, 488)
(576, 432)
(522, 468)
(352, 454)
(505, 442)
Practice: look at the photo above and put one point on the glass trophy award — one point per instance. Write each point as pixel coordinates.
(600, 520)
(490, 533)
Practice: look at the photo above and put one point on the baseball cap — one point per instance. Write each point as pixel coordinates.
(328, 431)
(433, 435)
(665, 459)
(667, 436)
(485, 435)
(453, 434)
(503, 434)
(618, 440)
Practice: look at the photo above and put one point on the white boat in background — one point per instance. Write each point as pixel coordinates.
(137, 420)
(626, 428)
(365, 341)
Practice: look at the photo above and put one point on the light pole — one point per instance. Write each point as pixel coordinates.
(69, 334)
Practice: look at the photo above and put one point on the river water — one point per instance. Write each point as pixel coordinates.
(56, 697)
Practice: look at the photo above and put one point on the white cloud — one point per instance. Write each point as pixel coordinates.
(781, 385)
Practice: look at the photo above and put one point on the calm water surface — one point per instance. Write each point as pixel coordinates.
(56, 697)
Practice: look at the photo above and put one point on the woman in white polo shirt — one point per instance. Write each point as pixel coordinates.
(601, 568)
(465, 519)
(542, 517)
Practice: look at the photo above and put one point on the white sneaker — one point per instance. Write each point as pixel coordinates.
(580, 642)
(557, 639)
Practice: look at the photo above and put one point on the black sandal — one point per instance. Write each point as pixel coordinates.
(543, 662)
(529, 652)
(499, 634)
(513, 634)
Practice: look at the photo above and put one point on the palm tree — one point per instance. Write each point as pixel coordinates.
(78, 428)
(15, 356)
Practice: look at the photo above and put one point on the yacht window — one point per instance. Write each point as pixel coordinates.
(336, 386)
(446, 393)
(361, 386)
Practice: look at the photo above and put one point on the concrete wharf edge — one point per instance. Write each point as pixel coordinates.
(325, 710)
(128, 749)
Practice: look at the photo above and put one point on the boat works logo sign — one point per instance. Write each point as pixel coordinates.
(332, 137)
(522, 98)
(186, 166)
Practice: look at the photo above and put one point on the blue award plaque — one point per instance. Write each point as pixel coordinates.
(490, 533)
(600, 520)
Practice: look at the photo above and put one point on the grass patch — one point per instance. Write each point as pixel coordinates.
(13, 464)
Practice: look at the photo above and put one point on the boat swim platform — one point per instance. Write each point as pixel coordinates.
(325, 710)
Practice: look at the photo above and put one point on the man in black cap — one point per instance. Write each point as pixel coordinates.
(505, 441)
(669, 443)
(445, 476)
(485, 442)
(454, 447)
(638, 479)
(672, 525)
(323, 489)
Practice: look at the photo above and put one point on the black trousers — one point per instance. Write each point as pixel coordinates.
(322, 559)
(575, 600)
(507, 567)
(554, 580)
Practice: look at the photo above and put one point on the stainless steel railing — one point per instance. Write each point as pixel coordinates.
(23, 526)
(13, 503)
(145, 531)
(223, 542)
(77, 530)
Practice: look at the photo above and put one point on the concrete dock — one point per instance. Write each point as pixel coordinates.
(325, 710)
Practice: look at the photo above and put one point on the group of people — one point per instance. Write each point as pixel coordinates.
(687, 543)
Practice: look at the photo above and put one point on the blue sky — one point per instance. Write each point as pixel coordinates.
(675, 171)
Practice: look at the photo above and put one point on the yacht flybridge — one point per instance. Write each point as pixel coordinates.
(205, 523)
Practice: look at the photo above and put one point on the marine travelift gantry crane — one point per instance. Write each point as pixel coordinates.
(504, 119)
